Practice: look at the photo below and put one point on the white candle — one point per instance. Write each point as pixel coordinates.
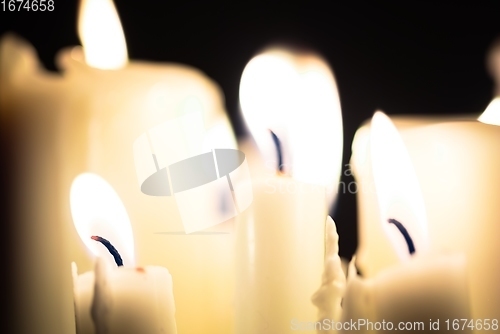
(412, 296)
(424, 279)
(280, 240)
(31, 105)
(462, 160)
(116, 300)
(88, 120)
(374, 253)
(454, 162)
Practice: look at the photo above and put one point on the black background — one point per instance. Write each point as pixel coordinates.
(404, 57)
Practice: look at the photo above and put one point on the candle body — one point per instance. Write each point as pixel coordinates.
(458, 174)
(279, 256)
(58, 127)
(124, 300)
(32, 105)
(457, 164)
(414, 294)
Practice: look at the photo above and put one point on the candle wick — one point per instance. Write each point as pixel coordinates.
(277, 143)
(111, 249)
(406, 235)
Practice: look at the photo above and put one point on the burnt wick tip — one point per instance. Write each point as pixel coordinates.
(404, 232)
(112, 250)
(279, 150)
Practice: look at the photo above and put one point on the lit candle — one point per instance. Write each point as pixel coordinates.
(121, 300)
(88, 119)
(374, 253)
(291, 106)
(134, 103)
(454, 162)
(424, 283)
(124, 106)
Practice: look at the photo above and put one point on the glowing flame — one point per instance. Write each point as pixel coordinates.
(295, 96)
(397, 187)
(492, 113)
(101, 34)
(98, 211)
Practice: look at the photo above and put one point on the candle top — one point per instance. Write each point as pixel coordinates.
(98, 210)
(402, 208)
(293, 97)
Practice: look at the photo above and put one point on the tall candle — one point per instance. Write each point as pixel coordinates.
(124, 106)
(88, 120)
(291, 106)
(31, 106)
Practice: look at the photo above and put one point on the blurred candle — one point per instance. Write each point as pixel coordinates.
(122, 101)
(423, 282)
(374, 253)
(290, 104)
(31, 107)
(87, 119)
(121, 300)
(456, 164)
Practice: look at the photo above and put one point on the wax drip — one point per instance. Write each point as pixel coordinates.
(406, 235)
(111, 249)
(279, 152)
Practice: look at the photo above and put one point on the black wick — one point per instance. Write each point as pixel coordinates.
(111, 249)
(406, 235)
(277, 143)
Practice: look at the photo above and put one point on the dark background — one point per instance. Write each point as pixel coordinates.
(405, 57)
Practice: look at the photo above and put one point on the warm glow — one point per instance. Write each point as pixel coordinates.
(101, 34)
(295, 96)
(492, 113)
(397, 187)
(97, 210)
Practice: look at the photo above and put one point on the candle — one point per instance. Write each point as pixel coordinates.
(437, 167)
(374, 253)
(291, 106)
(418, 295)
(115, 300)
(425, 283)
(125, 106)
(471, 148)
(31, 105)
(88, 119)
(454, 161)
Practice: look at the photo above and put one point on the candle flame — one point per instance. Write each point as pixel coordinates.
(97, 210)
(101, 34)
(398, 191)
(491, 114)
(295, 96)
